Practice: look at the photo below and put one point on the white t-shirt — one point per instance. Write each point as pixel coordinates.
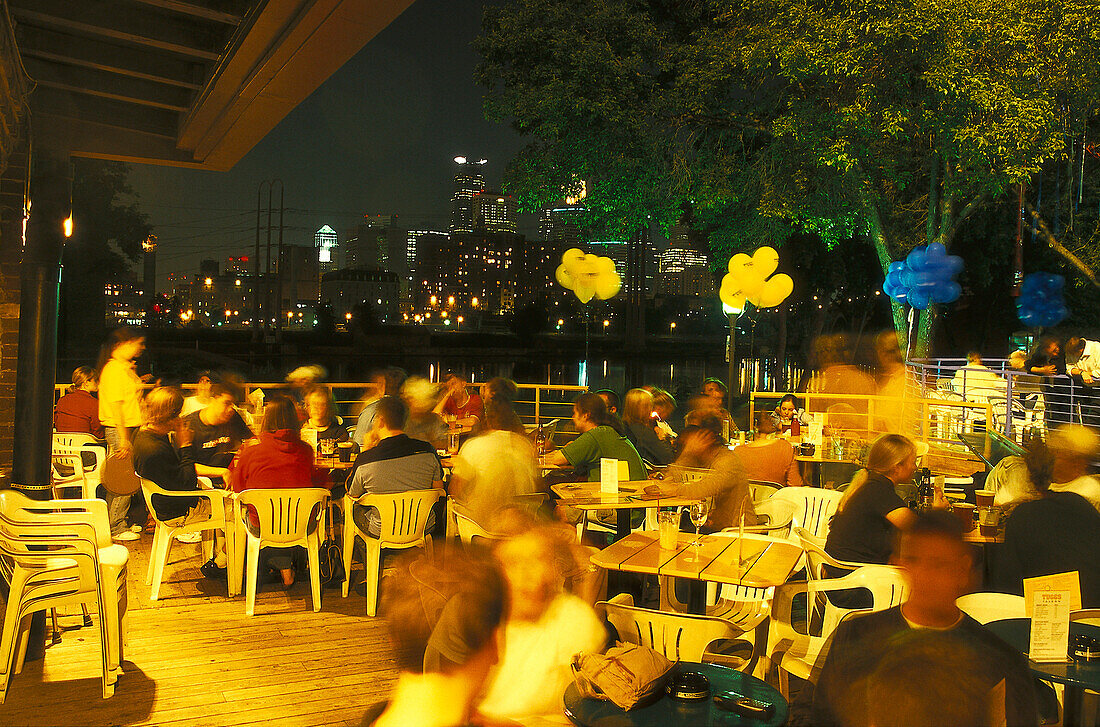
(1086, 486)
(535, 659)
(495, 467)
(119, 386)
(977, 383)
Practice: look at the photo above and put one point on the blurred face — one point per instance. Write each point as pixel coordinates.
(317, 408)
(1054, 348)
(220, 410)
(663, 410)
(938, 570)
(581, 420)
(130, 350)
(607, 401)
(713, 391)
(786, 410)
(532, 575)
(202, 388)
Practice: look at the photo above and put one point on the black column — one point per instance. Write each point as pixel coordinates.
(40, 276)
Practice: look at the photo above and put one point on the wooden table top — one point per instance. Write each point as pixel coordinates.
(332, 463)
(975, 536)
(755, 560)
(588, 496)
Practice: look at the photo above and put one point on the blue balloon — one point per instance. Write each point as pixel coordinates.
(895, 267)
(915, 260)
(919, 299)
(954, 265)
(951, 292)
(936, 249)
(1040, 302)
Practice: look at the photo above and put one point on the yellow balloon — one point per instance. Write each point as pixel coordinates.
(774, 291)
(748, 280)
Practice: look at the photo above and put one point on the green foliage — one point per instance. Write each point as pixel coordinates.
(771, 116)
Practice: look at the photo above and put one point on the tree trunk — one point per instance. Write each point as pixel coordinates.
(882, 248)
(780, 375)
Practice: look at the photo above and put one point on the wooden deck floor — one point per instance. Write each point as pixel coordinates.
(195, 658)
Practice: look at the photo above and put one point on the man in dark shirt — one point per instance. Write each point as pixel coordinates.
(937, 562)
(218, 432)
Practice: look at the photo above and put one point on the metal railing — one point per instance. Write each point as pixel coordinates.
(1020, 400)
(935, 421)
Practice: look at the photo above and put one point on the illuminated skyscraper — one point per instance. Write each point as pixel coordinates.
(683, 268)
(325, 240)
(468, 181)
(494, 212)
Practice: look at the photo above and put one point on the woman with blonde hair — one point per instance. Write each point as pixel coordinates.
(870, 512)
(652, 443)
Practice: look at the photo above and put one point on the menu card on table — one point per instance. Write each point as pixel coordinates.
(1048, 600)
(609, 475)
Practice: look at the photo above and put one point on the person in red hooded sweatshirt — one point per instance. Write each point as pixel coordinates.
(279, 460)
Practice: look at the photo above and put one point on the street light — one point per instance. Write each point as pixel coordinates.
(473, 301)
(347, 316)
(672, 326)
(450, 300)
(606, 323)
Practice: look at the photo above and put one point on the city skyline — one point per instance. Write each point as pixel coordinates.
(379, 136)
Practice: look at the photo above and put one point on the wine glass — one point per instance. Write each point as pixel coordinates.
(698, 515)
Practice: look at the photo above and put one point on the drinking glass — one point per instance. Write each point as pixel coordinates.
(698, 514)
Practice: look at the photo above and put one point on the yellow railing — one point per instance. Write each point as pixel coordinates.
(537, 403)
(928, 420)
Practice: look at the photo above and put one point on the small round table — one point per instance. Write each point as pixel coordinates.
(1077, 675)
(668, 712)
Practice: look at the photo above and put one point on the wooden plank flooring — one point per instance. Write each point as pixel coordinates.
(195, 658)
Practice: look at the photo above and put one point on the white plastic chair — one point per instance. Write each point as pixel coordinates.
(403, 518)
(680, 637)
(468, 530)
(67, 463)
(165, 534)
(986, 607)
(286, 517)
(763, 489)
(55, 554)
(814, 507)
(793, 651)
(817, 558)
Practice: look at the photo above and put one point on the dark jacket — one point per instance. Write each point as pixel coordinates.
(173, 469)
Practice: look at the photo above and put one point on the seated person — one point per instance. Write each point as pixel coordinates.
(201, 395)
(218, 432)
(1074, 448)
(458, 402)
(1057, 533)
(664, 406)
(386, 382)
(77, 411)
(444, 655)
(702, 447)
(279, 460)
(787, 413)
(614, 415)
(493, 467)
(544, 628)
(499, 395)
(597, 440)
(653, 443)
(420, 396)
(937, 566)
(977, 382)
(156, 460)
(397, 463)
(870, 513)
(767, 457)
(321, 417)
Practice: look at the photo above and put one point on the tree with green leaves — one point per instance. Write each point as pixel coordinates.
(895, 118)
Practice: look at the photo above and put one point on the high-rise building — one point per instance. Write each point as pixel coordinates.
(684, 269)
(468, 181)
(377, 243)
(478, 270)
(494, 212)
(346, 289)
(561, 224)
(239, 265)
(325, 241)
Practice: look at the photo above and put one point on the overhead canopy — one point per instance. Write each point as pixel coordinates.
(188, 83)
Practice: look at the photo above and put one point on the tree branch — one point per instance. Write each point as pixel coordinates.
(1040, 227)
(966, 212)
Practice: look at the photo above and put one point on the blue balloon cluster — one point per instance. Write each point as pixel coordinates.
(926, 276)
(1040, 302)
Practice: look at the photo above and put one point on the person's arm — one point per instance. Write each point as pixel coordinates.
(362, 425)
(901, 518)
(793, 477)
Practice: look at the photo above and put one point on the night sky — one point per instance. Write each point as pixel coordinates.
(377, 138)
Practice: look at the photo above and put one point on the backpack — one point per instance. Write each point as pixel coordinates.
(331, 558)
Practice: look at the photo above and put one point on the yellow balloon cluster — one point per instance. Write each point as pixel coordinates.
(747, 280)
(588, 276)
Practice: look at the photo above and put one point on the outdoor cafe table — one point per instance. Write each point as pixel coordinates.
(669, 712)
(756, 561)
(1076, 675)
(631, 496)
